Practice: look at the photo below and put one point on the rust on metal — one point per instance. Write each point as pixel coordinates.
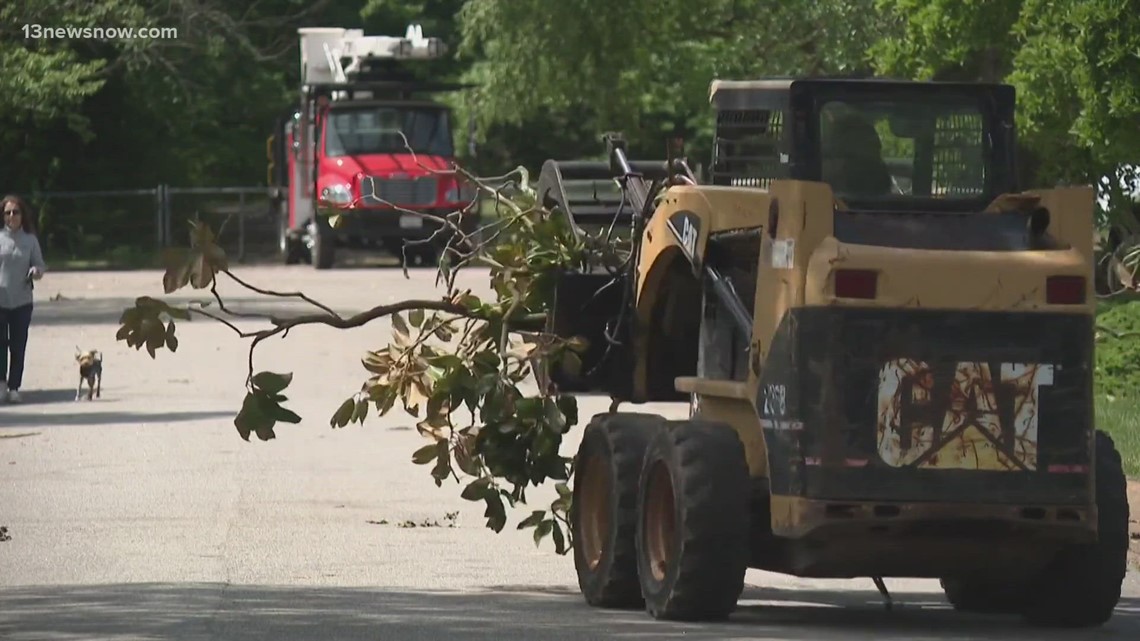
(596, 507)
(660, 520)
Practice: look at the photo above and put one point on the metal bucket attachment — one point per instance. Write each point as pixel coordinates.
(586, 191)
(589, 306)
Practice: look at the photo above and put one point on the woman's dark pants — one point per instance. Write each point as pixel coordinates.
(14, 325)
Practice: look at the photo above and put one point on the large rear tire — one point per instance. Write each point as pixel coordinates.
(693, 525)
(985, 596)
(1082, 585)
(603, 511)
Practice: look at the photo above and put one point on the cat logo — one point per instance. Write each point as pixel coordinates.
(686, 227)
(959, 415)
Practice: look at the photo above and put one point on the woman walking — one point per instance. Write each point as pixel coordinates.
(21, 263)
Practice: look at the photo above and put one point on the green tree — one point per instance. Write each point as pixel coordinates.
(644, 67)
(1073, 63)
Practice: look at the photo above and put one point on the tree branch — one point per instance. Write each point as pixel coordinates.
(363, 318)
(268, 292)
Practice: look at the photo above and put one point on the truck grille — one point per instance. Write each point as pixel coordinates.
(400, 191)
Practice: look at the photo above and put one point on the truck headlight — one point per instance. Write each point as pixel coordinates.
(339, 194)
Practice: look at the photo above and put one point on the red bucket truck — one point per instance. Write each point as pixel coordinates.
(365, 143)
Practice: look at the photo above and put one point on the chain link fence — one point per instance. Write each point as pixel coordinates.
(130, 227)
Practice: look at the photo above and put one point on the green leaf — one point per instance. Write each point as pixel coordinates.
(177, 274)
(477, 489)
(496, 513)
(529, 408)
(486, 362)
(425, 454)
(272, 383)
(467, 300)
(416, 317)
(554, 417)
(442, 463)
(534, 519)
(360, 411)
(386, 399)
(446, 361)
(542, 530)
(569, 406)
(435, 410)
(399, 325)
(286, 415)
(555, 469)
(559, 539)
(153, 333)
(343, 413)
(465, 454)
(571, 363)
(253, 419)
(443, 333)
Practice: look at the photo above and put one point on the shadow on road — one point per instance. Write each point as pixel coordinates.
(48, 396)
(11, 418)
(216, 611)
(107, 311)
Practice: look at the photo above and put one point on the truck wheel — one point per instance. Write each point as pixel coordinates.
(1081, 586)
(693, 526)
(289, 245)
(294, 253)
(984, 596)
(324, 244)
(603, 511)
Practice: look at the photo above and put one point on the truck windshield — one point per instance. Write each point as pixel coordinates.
(376, 130)
(916, 148)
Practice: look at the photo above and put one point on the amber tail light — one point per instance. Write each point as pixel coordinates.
(856, 283)
(1065, 290)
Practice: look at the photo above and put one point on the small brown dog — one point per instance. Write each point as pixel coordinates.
(91, 371)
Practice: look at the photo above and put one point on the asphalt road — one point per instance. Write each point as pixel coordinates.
(143, 515)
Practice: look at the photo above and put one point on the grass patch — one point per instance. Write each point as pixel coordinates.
(1119, 417)
(119, 258)
(1118, 348)
(1117, 376)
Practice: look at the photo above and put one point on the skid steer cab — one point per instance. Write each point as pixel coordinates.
(886, 344)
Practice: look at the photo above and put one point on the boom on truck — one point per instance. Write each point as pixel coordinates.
(364, 142)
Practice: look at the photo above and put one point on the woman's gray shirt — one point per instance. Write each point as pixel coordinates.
(19, 252)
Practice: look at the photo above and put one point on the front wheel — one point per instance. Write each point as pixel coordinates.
(693, 525)
(324, 243)
(289, 247)
(603, 511)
